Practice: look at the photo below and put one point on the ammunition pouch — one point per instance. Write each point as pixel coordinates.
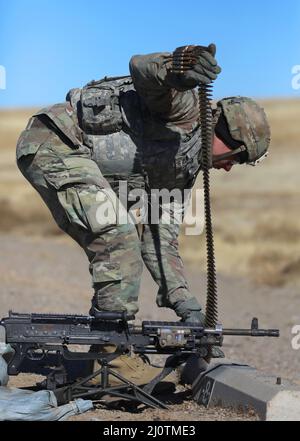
(100, 105)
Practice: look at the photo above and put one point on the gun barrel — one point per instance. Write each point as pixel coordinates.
(252, 332)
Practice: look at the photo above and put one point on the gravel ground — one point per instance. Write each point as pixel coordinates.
(51, 275)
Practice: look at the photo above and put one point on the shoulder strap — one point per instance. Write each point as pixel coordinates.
(94, 83)
(61, 116)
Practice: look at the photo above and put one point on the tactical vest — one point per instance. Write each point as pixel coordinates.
(128, 142)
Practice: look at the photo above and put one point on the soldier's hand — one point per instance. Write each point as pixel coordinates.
(194, 65)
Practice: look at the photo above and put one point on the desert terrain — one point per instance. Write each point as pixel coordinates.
(257, 241)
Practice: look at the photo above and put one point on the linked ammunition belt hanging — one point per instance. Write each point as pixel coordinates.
(211, 315)
(183, 59)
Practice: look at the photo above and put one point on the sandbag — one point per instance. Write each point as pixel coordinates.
(26, 405)
(6, 352)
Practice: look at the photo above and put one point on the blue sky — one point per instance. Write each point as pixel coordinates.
(48, 47)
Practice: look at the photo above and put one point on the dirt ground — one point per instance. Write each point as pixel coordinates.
(256, 222)
(50, 275)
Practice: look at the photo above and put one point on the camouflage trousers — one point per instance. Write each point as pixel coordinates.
(74, 189)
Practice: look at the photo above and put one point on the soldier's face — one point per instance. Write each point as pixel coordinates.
(219, 148)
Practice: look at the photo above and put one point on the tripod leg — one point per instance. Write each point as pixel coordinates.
(127, 390)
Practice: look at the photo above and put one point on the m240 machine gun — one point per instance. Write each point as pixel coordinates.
(42, 342)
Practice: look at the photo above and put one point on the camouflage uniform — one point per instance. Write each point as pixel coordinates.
(75, 174)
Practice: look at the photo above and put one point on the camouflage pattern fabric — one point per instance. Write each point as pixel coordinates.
(171, 111)
(75, 168)
(247, 122)
(74, 154)
(55, 157)
(74, 189)
(160, 254)
(69, 183)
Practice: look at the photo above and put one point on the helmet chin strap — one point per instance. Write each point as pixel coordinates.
(217, 158)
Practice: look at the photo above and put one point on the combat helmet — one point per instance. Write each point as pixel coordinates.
(248, 125)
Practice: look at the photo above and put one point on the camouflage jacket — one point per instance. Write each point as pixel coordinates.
(158, 138)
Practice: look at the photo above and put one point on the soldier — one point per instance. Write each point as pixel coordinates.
(142, 129)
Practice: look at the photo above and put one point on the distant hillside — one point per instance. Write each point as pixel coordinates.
(284, 117)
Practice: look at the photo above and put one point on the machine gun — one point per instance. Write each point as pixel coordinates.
(41, 345)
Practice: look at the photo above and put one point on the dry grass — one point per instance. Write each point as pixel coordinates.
(12, 122)
(284, 117)
(256, 210)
